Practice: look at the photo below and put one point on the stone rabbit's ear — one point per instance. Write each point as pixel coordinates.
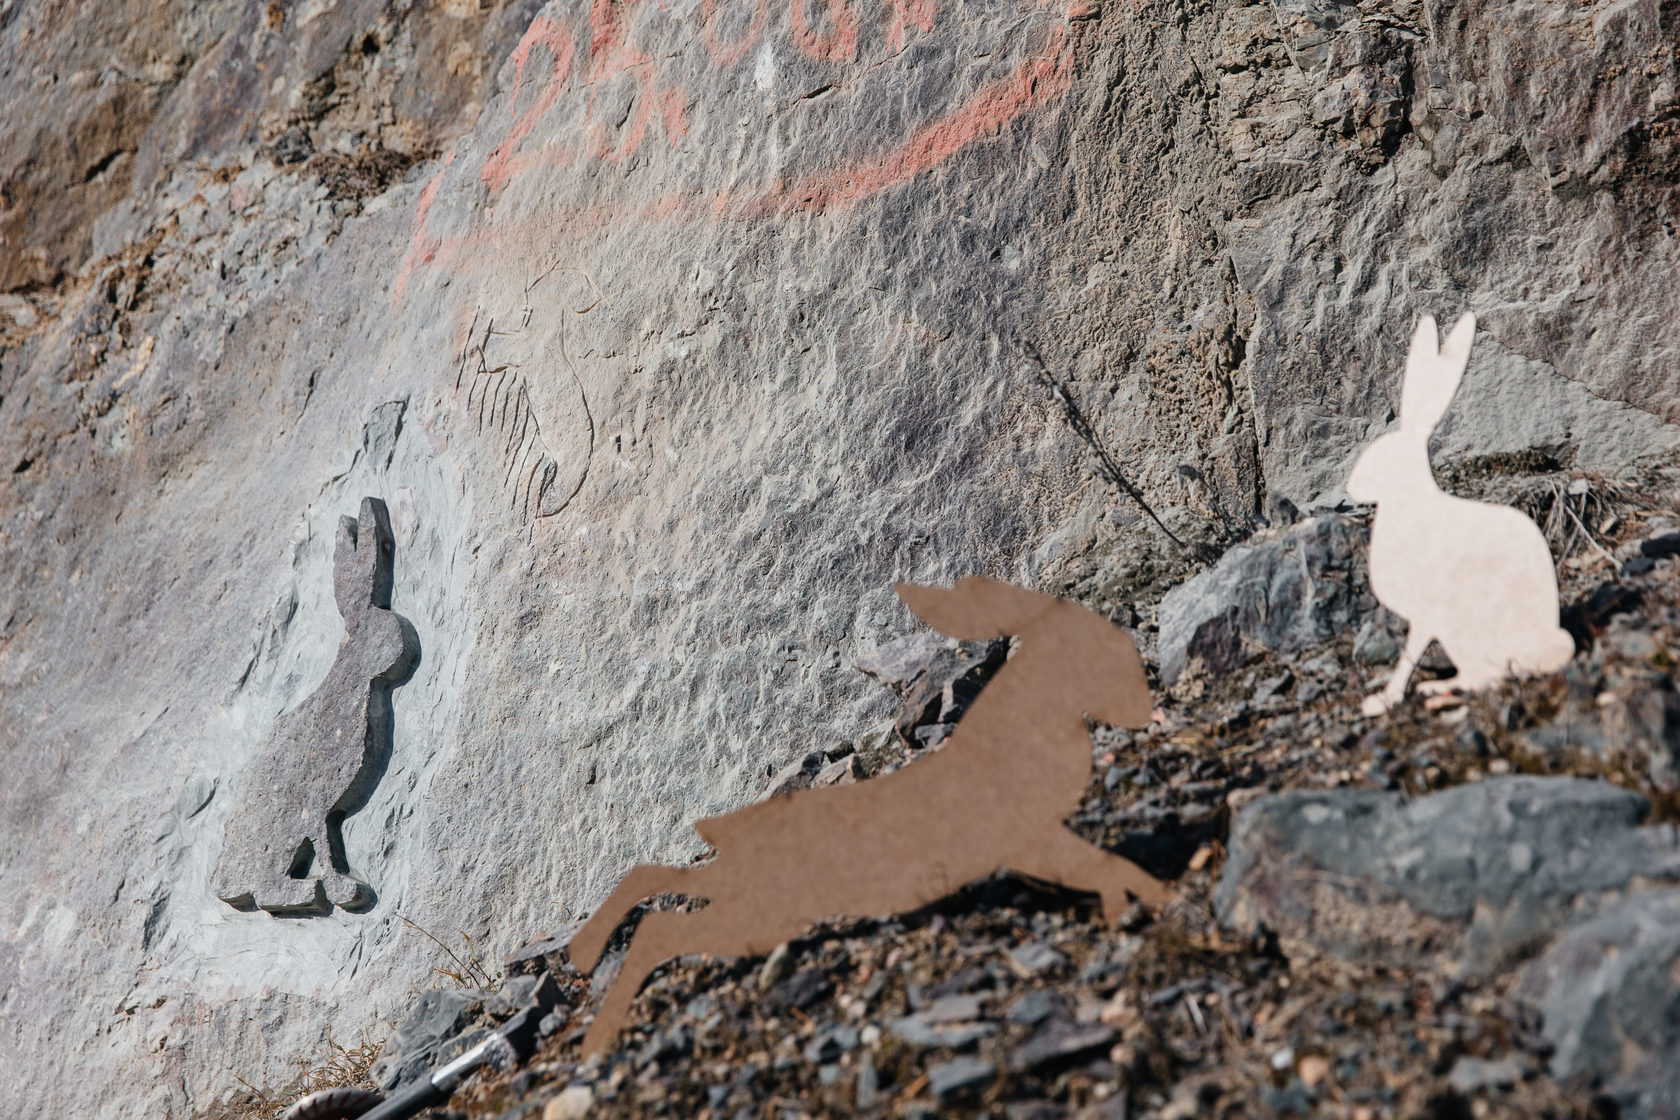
(381, 544)
(349, 587)
(362, 560)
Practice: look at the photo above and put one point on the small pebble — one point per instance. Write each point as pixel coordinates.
(960, 1076)
(1036, 957)
(573, 1103)
(777, 966)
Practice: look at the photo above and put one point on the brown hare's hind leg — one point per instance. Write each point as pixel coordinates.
(1060, 857)
(638, 885)
(715, 931)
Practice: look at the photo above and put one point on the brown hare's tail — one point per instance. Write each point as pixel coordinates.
(641, 884)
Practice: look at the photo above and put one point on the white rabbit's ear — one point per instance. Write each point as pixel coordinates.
(1433, 372)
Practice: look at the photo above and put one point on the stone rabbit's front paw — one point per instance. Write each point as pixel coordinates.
(293, 896)
(349, 894)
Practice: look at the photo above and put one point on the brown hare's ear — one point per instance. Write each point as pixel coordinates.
(1433, 371)
(976, 608)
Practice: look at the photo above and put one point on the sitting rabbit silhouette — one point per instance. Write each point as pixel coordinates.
(1477, 577)
(283, 850)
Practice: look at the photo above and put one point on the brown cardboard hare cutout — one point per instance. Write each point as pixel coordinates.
(283, 851)
(1477, 577)
(994, 797)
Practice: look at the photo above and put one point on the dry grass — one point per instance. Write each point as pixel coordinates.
(1578, 515)
(1582, 513)
(335, 1067)
(349, 1067)
(469, 971)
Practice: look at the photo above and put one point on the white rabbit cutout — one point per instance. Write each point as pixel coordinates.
(1477, 577)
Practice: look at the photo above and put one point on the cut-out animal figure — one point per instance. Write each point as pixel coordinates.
(1478, 578)
(994, 798)
(283, 850)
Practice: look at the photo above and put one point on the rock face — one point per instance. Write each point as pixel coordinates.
(1408, 155)
(1609, 1003)
(1473, 876)
(671, 336)
(1289, 591)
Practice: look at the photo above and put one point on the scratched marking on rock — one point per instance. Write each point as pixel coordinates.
(540, 429)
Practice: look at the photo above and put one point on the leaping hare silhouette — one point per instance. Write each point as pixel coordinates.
(994, 797)
(283, 850)
(1477, 577)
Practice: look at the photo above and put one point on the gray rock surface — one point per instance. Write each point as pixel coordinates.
(671, 336)
(438, 1016)
(1632, 718)
(1287, 590)
(916, 1031)
(1059, 1042)
(1611, 1005)
(898, 663)
(1035, 1007)
(960, 1077)
(942, 689)
(1449, 156)
(1470, 878)
(1471, 1075)
(1037, 957)
(827, 1045)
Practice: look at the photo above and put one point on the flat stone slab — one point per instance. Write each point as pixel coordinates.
(1480, 873)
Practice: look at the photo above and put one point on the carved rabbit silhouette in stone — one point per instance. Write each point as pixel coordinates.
(283, 850)
(1477, 577)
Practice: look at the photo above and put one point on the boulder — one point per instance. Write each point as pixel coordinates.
(1288, 590)
(1608, 994)
(1465, 880)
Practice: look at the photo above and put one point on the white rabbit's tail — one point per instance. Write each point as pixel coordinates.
(1551, 653)
(1563, 649)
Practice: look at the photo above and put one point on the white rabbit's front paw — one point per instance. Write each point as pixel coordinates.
(1375, 704)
